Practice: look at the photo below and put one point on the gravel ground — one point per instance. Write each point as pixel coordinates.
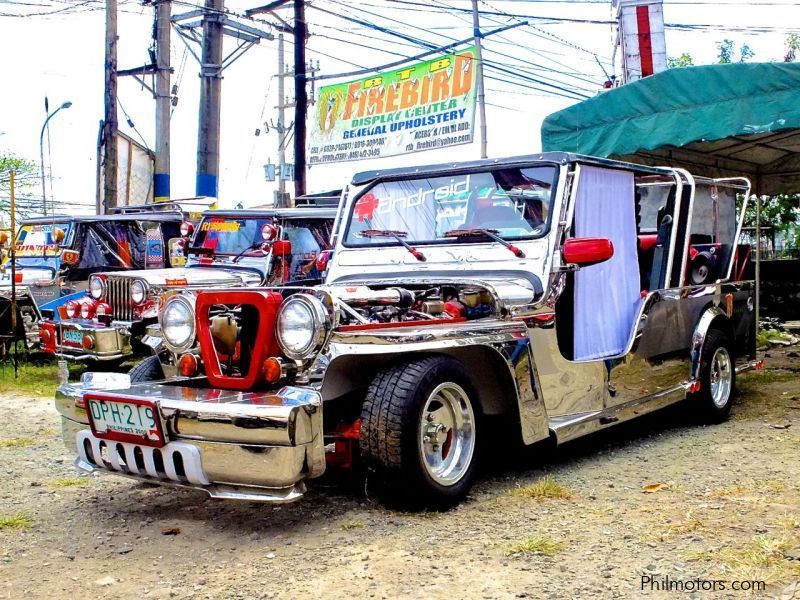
(661, 497)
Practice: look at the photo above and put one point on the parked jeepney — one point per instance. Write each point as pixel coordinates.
(56, 255)
(553, 293)
(115, 318)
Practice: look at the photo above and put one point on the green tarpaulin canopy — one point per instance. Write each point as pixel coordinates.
(716, 120)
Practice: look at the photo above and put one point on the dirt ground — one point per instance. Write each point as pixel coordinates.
(658, 498)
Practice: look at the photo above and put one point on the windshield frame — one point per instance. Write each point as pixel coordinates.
(389, 242)
(228, 218)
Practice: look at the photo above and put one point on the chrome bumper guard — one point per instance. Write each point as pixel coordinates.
(258, 446)
(110, 342)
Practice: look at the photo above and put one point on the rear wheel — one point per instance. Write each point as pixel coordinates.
(418, 432)
(147, 370)
(717, 378)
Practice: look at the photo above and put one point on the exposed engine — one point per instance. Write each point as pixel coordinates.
(396, 304)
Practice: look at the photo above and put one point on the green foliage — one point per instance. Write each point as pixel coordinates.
(792, 46)
(726, 50)
(25, 171)
(684, 60)
(780, 212)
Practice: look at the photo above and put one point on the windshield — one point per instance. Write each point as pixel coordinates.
(37, 246)
(228, 235)
(515, 202)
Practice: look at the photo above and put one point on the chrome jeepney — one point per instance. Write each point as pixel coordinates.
(557, 294)
(117, 316)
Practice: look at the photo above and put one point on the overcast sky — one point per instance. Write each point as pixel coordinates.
(61, 56)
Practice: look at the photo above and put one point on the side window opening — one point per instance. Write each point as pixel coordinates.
(711, 242)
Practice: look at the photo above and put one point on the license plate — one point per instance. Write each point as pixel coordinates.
(73, 337)
(125, 420)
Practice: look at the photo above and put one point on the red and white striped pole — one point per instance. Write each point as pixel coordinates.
(641, 38)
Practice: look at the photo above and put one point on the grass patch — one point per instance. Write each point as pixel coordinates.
(544, 489)
(352, 525)
(20, 442)
(767, 376)
(18, 521)
(69, 482)
(535, 545)
(771, 486)
(36, 376)
(762, 559)
(765, 336)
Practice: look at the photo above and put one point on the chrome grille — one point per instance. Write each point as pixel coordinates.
(118, 295)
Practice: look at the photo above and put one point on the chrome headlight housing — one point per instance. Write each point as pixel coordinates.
(301, 326)
(138, 291)
(177, 322)
(97, 287)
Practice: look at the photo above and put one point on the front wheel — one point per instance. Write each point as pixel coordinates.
(418, 432)
(147, 370)
(717, 378)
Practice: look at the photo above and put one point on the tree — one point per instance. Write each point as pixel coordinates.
(26, 175)
(684, 60)
(726, 50)
(792, 46)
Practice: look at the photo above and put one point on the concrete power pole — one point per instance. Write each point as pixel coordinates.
(301, 98)
(110, 123)
(210, 100)
(281, 123)
(163, 101)
(476, 25)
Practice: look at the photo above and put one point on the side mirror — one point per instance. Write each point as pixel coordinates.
(587, 251)
(70, 257)
(281, 248)
(177, 252)
(57, 235)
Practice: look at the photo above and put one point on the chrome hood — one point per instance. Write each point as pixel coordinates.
(182, 277)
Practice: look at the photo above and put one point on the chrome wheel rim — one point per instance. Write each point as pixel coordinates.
(447, 434)
(721, 377)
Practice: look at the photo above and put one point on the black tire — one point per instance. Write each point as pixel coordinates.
(709, 410)
(147, 370)
(391, 433)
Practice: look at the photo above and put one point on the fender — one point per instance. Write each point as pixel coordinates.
(712, 316)
(498, 356)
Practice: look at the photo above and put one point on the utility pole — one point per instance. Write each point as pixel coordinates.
(210, 100)
(281, 123)
(161, 185)
(301, 98)
(110, 123)
(476, 26)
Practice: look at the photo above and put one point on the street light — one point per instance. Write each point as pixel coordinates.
(41, 150)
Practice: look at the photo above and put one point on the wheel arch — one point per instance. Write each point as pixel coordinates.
(712, 318)
(487, 369)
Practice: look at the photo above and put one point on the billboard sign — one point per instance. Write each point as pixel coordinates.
(424, 106)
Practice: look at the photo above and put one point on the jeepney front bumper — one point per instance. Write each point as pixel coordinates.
(258, 446)
(84, 339)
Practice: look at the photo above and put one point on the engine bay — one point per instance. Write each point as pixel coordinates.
(368, 304)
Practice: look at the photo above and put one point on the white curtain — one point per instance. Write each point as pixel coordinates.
(607, 295)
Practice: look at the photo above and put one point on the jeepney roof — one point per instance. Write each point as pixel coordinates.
(544, 157)
(310, 212)
(145, 215)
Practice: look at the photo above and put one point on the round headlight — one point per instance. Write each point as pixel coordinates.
(72, 309)
(301, 326)
(138, 292)
(177, 323)
(87, 309)
(96, 287)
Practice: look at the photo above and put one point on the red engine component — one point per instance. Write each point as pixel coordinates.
(265, 344)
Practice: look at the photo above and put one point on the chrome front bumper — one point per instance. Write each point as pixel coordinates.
(258, 446)
(110, 342)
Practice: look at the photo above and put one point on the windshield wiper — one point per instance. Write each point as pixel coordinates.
(398, 235)
(252, 246)
(490, 233)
